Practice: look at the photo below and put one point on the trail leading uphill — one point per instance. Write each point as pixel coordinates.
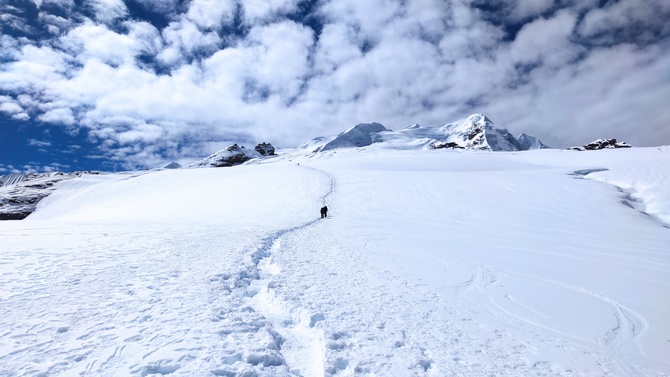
(433, 264)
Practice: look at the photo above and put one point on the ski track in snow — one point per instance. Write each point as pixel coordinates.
(629, 324)
(301, 300)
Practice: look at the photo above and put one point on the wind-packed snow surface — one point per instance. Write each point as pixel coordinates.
(430, 263)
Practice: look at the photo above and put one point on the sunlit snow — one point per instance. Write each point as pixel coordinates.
(430, 263)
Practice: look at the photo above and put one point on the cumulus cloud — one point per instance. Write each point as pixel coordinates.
(523, 9)
(54, 24)
(259, 11)
(59, 116)
(97, 42)
(628, 20)
(285, 71)
(546, 41)
(9, 106)
(184, 39)
(211, 14)
(108, 10)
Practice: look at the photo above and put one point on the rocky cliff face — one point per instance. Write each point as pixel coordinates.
(20, 193)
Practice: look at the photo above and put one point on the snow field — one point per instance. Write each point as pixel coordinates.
(110, 287)
(457, 229)
(429, 264)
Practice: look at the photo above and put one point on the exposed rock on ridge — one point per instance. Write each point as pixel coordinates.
(266, 149)
(474, 132)
(234, 155)
(602, 144)
(20, 193)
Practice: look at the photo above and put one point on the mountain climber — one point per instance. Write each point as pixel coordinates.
(324, 211)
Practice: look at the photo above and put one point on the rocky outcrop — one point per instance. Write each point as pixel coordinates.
(265, 149)
(20, 193)
(601, 144)
(450, 144)
(233, 155)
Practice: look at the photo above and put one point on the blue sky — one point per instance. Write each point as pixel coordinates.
(116, 85)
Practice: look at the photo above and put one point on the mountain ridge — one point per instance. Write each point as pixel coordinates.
(476, 132)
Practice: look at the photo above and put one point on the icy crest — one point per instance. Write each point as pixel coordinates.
(361, 135)
(474, 132)
(528, 142)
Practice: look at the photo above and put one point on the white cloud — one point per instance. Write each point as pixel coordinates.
(286, 45)
(108, 10)
(370, 18)
(38, 143)
(337, 45)
(34, 67)
(144, 133)
(396, 62)
(211, 14)
(21, 116)
(259, 11)
(55, 24)
(614, 92)
(530, 8)
(628, 18)
(58, 116)
(9, 106)
(546, 41)
(183, 39)
(91, 41)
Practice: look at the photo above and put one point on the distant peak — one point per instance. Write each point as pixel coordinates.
(360, 135)
(367, 128)
(479, 119)
(476, 132)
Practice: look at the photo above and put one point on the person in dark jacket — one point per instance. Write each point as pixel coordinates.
(324, 211)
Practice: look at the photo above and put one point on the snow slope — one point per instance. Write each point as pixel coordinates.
(431, 263)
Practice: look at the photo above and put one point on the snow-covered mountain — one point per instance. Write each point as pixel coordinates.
(474, 132)
(360, 135)
(20, 193)
(528, 142)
